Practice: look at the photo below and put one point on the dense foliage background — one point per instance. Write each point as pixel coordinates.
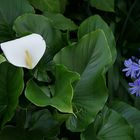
(78, 90)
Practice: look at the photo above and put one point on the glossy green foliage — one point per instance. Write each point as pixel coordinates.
(109, 125)
(34, 127)
(9, 90)
(131, 114)
(9, 11)
(62, 94)
(96, 22)
(77, 91)
(90, 93)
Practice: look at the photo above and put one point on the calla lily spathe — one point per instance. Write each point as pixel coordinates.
(25, 51)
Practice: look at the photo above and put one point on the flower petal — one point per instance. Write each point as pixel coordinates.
(25, 51)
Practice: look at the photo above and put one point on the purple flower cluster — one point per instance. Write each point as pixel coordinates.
(132, 69)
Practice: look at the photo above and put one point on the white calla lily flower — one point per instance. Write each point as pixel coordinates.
(25, 51)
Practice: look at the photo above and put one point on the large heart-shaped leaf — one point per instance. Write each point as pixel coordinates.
(105, 5)
(9, 11)
(109, 125)
(63, 91)
(131, 114)
(96, 22)
(31, 23)
(89, 58)
(11, 86)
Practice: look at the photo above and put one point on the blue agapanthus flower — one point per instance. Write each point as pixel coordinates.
(135, 87)
(132, 68)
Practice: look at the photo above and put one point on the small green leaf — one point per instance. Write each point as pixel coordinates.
(61, 22)
(2, 59)
(109, 125)
(105, 5)
(41, 75)
(11, 79)
(9, 11)
(96, 22)
(63, 91)
(91, 56)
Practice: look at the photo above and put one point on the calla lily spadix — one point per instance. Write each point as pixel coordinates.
(25, 51)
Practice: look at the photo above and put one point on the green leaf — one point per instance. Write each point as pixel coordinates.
(47, 5)
(2, 59)
(41, 75)
(63, 91)
(96, 22)
(61, 22)
(43, 122)
(89, 57)
(109, 125)
(11, 79)
(9, 11)
(31, 23)
(36, 126)
(131, 114)
(105, 5)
